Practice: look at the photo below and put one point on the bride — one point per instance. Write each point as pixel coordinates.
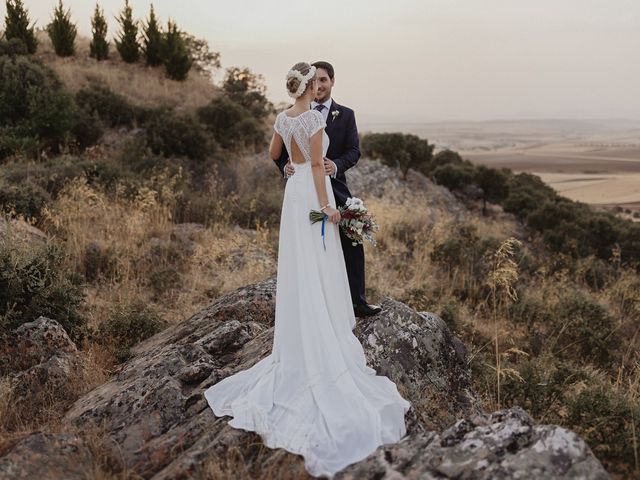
(313, 395)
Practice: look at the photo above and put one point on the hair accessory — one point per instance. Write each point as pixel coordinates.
(304, 79)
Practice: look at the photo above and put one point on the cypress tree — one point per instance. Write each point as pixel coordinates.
(99, 46)
(177, 61)
(62, 32)
(17, 25)
(152, 46)
(127, 42)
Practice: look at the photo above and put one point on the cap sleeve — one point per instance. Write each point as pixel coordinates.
(316, 122)
(276, 124)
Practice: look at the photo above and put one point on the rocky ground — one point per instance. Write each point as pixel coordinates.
(152, 415)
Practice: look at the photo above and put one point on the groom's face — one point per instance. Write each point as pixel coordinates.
(325, 84)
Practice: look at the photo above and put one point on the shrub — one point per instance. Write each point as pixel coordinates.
(51, 175)
(152, 40)
(449, 312)
(607, 421)
(98, 262)
(457, 249)
(129, 325)
(17, 25)
(62, 32)
(445, 157)
(583, 329)
(138, 157)
(164, 279)
(542, 386)
(462, 255)
(454, 176)
(231, 124)
(401, 150)
(526, 193)
(35, 113)
(127, 42)
(12, 47)
(529, 311)
(170, 134)
(113, 109)
(175, 55)
(32, 283)
(99, 46)
(419, 298)
(88, 128)
(24, 199)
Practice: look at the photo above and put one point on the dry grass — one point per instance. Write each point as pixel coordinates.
(46, 405)
(141, 85)
(501, 280)
(254, 462)
(222, 259)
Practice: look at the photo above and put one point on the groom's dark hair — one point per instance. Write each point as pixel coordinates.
(326, 66)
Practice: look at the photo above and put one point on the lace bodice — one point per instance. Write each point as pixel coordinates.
(301, 129)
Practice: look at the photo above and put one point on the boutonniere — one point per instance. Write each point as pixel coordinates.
(335, 114)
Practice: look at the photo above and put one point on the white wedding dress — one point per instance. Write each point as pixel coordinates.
(313, 395)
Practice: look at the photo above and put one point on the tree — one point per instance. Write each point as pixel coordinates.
(127, 42)
(494, 185)
(404, 151)
(232, 125)
(248, 89)
(454, 176)
(446, 156)
(17, 25)
(526, 193)
(99, 47)
(152, 44)
(62, 32)
(205, 61)
(35, 111)
(177, 61)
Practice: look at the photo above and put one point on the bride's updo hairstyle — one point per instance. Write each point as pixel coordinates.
(299, 79)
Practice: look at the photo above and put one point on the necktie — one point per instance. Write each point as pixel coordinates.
(319, 107)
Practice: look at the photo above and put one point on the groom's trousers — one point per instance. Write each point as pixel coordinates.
(354, 261)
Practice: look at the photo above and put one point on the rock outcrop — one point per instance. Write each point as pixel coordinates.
(153, 414)
(40, 358)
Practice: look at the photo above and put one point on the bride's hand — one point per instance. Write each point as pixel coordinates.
(333, 214)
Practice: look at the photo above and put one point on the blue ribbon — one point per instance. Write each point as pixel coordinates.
(324, 220)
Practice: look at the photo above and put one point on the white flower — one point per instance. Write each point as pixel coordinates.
(335, 113)
(354, 203)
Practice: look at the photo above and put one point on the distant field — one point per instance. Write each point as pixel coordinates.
(592, 161)
(606, 177)
(557, 160)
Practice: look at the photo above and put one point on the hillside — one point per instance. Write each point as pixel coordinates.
(167, 223)
(139, 84)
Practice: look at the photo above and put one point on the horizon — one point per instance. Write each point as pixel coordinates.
(570, 59)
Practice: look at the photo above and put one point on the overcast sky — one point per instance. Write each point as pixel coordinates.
(424, 59)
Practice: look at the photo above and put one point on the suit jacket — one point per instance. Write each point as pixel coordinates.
(344, 148)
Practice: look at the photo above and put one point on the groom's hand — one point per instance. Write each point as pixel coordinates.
(329, 167)
(288, 169)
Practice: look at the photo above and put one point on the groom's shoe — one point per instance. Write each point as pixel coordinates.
(365, 310)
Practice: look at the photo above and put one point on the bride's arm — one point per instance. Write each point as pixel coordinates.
(319, 180)
(275, 149)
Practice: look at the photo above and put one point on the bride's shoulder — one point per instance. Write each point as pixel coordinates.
(315, 115)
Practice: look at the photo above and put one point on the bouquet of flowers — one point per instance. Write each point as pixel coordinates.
(355, 221)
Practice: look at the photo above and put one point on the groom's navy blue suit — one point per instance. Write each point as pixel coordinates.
(344, 150)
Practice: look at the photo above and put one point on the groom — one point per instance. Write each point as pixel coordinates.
(343, 153)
